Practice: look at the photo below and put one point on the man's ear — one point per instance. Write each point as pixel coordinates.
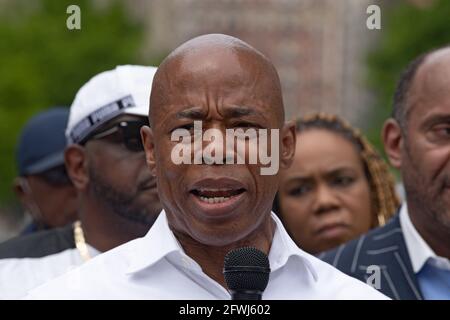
(288, 140)
(76, 161)
(20, 190)
(393, 142)
(149, 147)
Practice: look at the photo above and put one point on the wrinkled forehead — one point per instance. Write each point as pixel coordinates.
(431, 86)
(217, 69)
(435, 72)
(219, 74)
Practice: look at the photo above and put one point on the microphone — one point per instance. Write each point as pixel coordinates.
(246, 271)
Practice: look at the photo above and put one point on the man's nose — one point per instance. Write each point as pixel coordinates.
(214, 147)
(325, 200)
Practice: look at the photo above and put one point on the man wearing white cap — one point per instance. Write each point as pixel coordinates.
(105, 160)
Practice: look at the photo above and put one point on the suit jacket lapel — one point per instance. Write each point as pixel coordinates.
(396, 266)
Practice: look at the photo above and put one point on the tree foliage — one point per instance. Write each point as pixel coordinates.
(407, 31)
(43, 63)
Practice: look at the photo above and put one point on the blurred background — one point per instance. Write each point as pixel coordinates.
(326, 56)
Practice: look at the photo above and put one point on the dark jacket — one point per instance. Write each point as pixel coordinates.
(39, 244)
(384, 247)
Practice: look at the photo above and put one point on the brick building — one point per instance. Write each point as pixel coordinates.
(318, 46)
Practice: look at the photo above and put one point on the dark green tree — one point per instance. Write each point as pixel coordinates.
(43, 63)
(407, 31)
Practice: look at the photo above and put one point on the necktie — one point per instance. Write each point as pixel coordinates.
(434, 282)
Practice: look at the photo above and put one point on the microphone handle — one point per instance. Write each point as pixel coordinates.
(245, 295)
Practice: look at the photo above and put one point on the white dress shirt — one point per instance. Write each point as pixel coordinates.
(156, 267)
(19, 275)
(419, 251)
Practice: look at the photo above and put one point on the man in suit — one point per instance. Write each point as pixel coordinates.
(410, 255)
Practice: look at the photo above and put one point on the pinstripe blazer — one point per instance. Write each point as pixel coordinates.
(384, 247)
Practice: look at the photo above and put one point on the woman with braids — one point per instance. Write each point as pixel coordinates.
(337, 188)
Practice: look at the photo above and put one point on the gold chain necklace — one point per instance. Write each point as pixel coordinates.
(80, 242)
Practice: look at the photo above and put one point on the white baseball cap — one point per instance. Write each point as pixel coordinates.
(123, 90)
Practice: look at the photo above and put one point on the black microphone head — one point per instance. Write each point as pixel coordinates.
(246, 269)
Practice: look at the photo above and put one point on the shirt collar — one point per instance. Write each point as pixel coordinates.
(154, 246)
(419, 251)
(160, 242)
(284, 249)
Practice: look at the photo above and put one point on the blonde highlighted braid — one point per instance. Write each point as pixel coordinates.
(384, 198)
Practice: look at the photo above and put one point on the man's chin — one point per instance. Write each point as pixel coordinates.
(140, 214)
(443, 216)
(217, 238)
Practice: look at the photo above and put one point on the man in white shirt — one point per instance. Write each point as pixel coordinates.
(412, 251)
(105, 160)
(211, 205)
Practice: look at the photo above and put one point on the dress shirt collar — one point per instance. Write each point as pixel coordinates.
(419, 251)
(160, 242)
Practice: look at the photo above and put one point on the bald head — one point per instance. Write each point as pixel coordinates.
(418, 79)
(212, 42)
(433, 76)
(216, 65)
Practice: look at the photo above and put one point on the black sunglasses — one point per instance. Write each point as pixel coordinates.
(126, 132)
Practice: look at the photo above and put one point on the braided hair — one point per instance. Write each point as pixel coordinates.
(384, 198)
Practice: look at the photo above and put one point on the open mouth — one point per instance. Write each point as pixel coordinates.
(216, 195)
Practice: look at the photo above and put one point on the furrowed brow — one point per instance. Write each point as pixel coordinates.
(239, 111)
(192, 113)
